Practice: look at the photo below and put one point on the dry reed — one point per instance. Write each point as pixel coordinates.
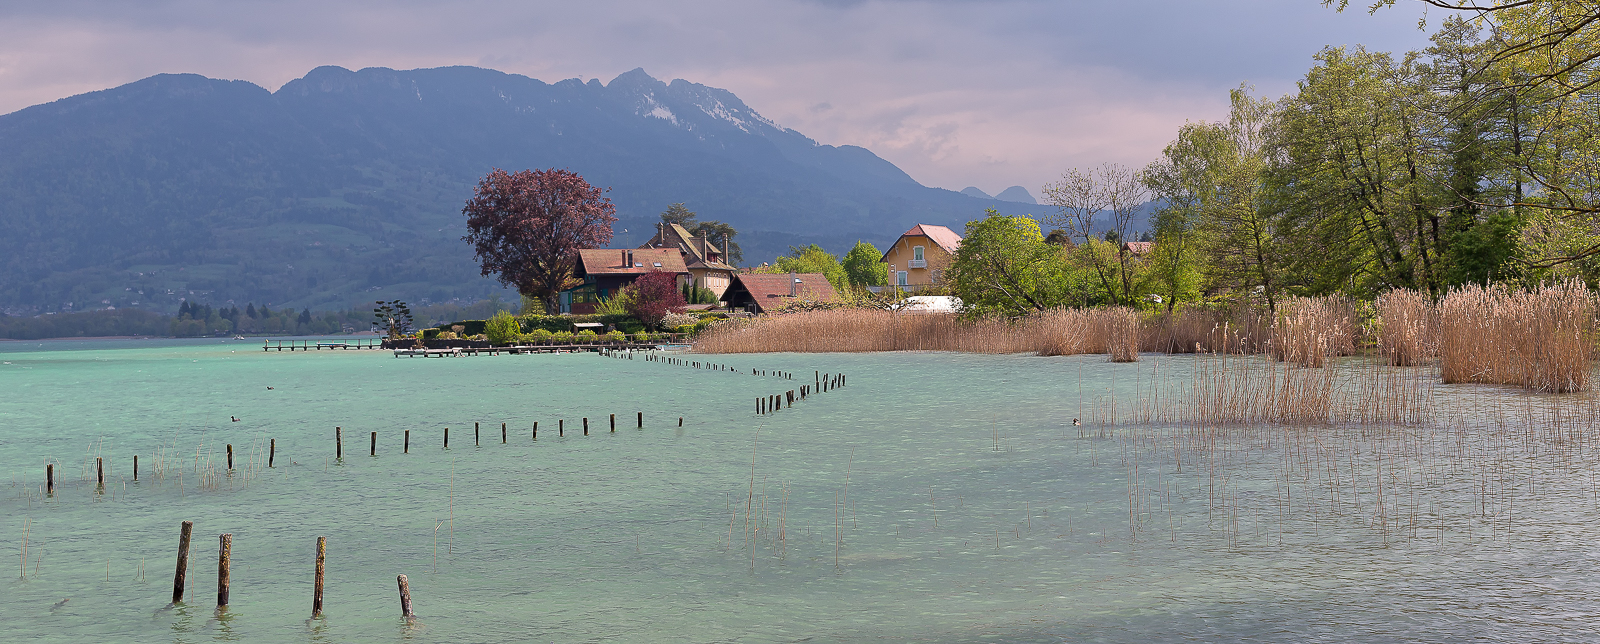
(1540, 339)
(1407, 328)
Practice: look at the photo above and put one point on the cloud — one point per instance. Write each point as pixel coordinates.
(957, 93)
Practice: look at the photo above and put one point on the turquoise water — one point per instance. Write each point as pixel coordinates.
(937, 497)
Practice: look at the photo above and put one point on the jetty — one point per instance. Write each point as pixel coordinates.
(318, 345)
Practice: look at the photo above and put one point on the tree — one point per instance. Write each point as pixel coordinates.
(394, 316)
(863, 266)
(720, 234)
(1005, 266)
(678, 214)
(1082, 196)
(653, 296)
(811, 259)
(526, 228)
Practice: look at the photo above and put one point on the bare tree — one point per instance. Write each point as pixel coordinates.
(1114, 192)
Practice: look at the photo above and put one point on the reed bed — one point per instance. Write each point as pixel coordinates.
(1540, 339)
(1055, 332)
(1308, 331)
(1408, 328)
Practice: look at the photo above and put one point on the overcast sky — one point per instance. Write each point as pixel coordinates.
(957, 93)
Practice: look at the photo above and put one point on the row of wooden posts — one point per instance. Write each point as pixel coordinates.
(770, 404)
(224, 562)
(694, 364)
(338, 447)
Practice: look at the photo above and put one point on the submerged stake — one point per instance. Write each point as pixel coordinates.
(183, 561)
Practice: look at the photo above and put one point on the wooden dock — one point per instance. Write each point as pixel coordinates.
(318, 345)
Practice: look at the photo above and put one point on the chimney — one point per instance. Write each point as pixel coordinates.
(625, 261)
(792, 280)
(630, 259)
(726, 258)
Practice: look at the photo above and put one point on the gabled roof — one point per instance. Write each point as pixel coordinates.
(1138, 248)
(944, 237)
(697, 250)
(773, 289)
(612, 261)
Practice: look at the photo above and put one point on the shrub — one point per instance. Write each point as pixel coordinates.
(617, 336)
(672, 320)
(586, 335)
(548, 323)
(561, 336)
(538, 335)
(502, 328)
(655, 294)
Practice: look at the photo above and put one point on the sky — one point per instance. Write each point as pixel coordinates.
(986, 93)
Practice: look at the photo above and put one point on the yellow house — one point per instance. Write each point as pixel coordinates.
(919, 258)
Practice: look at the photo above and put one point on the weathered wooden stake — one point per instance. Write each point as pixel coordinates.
(585, 425)
(536, 430)
(99, 471)
(373, 449)
(475, 435)
(613, 423)
(680, 421)
(230, 457)
(338, 443)
(407, 449)
(316, 591)
(447, 438)
(224, 558)
(272, 451)
(502, 433)
(641, 420)
(561, 427)
(183, 561)
(135, 468)
(49, 478)
(405, 596)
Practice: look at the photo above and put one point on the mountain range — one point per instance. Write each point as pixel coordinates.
(344, 187)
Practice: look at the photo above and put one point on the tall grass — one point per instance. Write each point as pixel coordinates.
(1408, 328)
(1055, 332)
(1308, 331)
(1540, 339)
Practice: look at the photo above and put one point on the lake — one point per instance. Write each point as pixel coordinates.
(936, 498)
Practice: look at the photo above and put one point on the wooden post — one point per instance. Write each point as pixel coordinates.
(316, 591)
(373, 450)
(407, 449)
(536, 430)
(135, 468)
(502, 433)
(405, 596)
(447, 438)
(338, 443)
(561, 427)
(272, 451)
(183, 561)
(99, 471)
(224, 558)
(641, 420)
(680, 421)
(585, 425)
(49, 478)
(230, 457)
(613, 423)
(475, 435)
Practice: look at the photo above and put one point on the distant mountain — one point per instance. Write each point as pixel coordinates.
(344, 187)
(973, 191)
(1018, 194)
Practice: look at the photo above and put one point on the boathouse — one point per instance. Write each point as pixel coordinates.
(763, 292)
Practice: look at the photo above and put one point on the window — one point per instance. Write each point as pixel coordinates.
(900, 278)
(916, 253)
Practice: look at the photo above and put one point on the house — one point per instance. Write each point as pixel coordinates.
(763, 292)
(919, 258)
(1138, 249)
(606, 270)
(706, 262)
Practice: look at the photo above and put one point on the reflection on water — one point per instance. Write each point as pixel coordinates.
(938, 497)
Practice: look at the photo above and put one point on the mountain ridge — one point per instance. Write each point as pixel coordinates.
(343, 186)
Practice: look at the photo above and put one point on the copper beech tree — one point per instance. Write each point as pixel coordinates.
(527, 228)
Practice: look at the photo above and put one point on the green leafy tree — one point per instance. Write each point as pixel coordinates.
(678, 214)
(720, 234)
(393, 315)
(811, 259)
(863, 266)
(1004, 266)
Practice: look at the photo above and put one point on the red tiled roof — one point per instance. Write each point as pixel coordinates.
(611, 261)
(771, 289)
(1139, 248)
(944, 237)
